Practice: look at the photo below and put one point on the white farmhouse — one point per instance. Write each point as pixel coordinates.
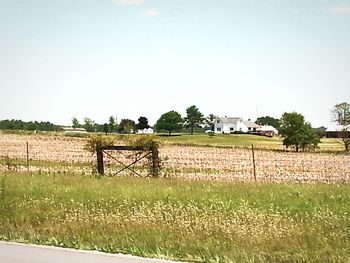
(230, 125)
(145, 131)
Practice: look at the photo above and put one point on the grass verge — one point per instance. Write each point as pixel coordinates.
(175, 219)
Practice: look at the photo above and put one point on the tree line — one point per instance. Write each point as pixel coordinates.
(296, 132)
(125, 126)
(168, 122)
(28, 126)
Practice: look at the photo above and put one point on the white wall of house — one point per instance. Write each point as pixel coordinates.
(218, 127)
(241, 127)
(229, 125)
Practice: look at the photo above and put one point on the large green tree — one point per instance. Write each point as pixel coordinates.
(112, 124)
(210, 121)
(75, 123)
(142, 123)
(268, 120)
(341, 115)
(105, 128)
(126, 126)
(89, 124)
(194, 118)
(297, 133)
(169, 121)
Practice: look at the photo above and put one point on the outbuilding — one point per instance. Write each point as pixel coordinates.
(73, 130)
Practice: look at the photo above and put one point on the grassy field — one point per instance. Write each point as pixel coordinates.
(238, 140)
(244, 141)
(190, 221)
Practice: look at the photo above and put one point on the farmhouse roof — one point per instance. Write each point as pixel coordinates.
(230, 119)
(251, 124)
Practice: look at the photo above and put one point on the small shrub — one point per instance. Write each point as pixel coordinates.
(211, 134)
(97, 140)
(147, 142)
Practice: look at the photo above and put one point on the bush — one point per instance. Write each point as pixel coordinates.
(97, 140)
(147, 142)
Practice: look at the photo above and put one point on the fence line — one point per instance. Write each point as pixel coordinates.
(67, 155)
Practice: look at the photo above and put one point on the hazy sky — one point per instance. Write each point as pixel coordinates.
(131, 58)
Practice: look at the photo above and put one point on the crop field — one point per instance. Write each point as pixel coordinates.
(60, 154)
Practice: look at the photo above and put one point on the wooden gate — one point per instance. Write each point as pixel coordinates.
(140, 154)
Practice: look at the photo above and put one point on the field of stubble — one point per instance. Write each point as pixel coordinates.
(60, 154)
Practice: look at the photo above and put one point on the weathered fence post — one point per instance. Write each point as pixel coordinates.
(99, 154)
(254, 168)
(28, 156)
(155, 161)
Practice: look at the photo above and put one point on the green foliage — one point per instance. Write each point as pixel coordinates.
(112, 125)
(194, 118)
(341, 115)
(27, 126)
(75, 123)
(210, 121)
(105, 128)
(97, 140)
(169, 121)
(89, 124)
(181, 220)
(2, 186)
(267, 120)
(146, 141)
(297, 133)
(127, 126)
(224, 140)
(142, 124)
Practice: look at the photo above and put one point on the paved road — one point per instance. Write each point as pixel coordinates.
(21, 253)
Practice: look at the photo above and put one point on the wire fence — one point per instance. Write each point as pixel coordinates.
(59, 154)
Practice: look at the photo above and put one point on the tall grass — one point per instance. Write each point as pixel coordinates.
(190, 221)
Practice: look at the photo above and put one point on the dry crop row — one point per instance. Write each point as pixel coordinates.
(232, 164)
(188, 161)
